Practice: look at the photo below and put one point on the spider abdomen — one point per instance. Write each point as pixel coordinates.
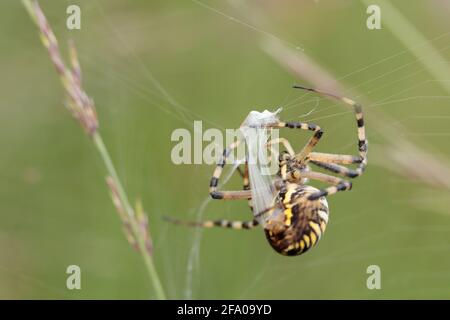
(301, 224)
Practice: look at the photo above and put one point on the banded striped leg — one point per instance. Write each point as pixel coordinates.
(244, 176)
(284, 142)
(329, 161)
(287, 146)
(226, 195)
(246, 182)
(229, 224)
(338, 184)
(301, 156)
(334, 158)
(338, 169)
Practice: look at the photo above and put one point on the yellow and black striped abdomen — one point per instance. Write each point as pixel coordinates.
(301, 224)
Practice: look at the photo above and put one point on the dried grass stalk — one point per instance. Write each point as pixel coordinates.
(82, 108)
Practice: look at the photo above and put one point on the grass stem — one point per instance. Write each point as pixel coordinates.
(141, 245)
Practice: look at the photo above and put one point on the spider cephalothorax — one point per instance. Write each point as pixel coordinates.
(294, 168)
(298, 216)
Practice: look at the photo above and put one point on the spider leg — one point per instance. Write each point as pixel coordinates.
(245, 178)
(227, 195)
(241, 173)
(335, 168)
(246, 182)
(229, 224)
(284, 142)
(362, 140)
(334, 158)
(338, 184)
(331, 163)
(301, 156)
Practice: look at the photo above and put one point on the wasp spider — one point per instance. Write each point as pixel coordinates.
(304, 209)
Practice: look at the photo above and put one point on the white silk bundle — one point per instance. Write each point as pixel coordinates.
(257, 134)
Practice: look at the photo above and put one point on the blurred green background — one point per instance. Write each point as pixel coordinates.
(154, 66)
